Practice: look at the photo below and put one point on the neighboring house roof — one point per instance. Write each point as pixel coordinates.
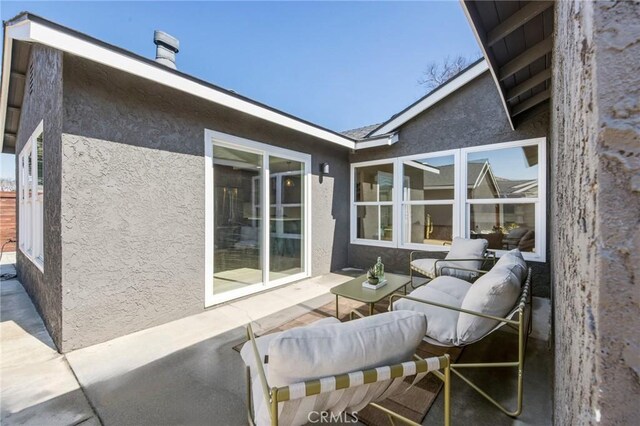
(360, 132)
(30, 28)
(516, 40)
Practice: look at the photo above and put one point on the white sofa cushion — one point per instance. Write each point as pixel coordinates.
(464, 248)
(513, 259)
(308, 353)
(494, 293)
(260, 409)
(441, 322)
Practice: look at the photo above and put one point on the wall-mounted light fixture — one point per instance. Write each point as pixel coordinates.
(324, 168)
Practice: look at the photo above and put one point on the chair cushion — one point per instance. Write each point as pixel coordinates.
(308, 353)
(494, 293)
(513, 259)
(260, 409)
(441, 322)
(464, 248)
(425, 267)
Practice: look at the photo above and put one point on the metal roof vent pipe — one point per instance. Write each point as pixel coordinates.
(166, 48)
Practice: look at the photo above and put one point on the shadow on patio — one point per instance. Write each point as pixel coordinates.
(187, 371)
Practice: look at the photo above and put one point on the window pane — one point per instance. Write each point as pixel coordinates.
(374, 183)
(428, 224)
(429, 179)
(237, 176)
(375, 222)
(40, 164)
(286, 244)
(503, 173)
(505, 226)
(29, 176)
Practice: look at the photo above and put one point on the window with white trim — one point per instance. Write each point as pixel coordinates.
(496, 192)
(428, 199)
(373, 195)
(31, 197)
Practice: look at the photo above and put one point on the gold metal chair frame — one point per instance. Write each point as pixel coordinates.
(523, 311)
(273, 396)
(488, 256)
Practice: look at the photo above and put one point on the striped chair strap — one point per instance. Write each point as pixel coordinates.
(359, 378)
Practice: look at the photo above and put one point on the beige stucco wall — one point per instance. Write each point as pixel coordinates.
(596, 212)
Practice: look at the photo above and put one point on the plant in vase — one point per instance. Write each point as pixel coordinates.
(372, 276)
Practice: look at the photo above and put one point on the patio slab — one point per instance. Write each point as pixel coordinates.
(187, 372)
(38, 387)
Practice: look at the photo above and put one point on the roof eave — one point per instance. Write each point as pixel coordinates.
(29, 28)
(426, 102)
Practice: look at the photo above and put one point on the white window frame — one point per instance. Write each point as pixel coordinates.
(461, 203)
(30, 230)
(455, 202)
(540, 201)
(212, 137)
(354, 205)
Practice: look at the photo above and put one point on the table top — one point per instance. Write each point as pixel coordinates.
(353, 289)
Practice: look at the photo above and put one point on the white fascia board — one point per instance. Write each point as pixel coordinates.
(385, 140)
(39, 33)
(439, 94)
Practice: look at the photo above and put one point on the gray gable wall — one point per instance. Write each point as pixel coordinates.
(132, 204)
(471, 116)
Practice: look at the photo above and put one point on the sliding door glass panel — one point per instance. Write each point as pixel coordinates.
(286, 200)
(503, 173)
(505, 226)
(428, 224)
(237, 219)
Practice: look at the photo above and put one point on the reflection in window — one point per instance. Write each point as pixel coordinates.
(429, 224)
(373, 195)
(427, 200)
(429, 179)
(374, 183)
(375, 222)
(503, 173)
(505, 226)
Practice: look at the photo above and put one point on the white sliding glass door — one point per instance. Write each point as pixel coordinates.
(257, 217)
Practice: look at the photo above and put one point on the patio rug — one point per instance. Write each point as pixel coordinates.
(414, 403)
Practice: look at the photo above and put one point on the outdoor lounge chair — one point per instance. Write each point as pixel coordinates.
(460, 313)
(464, 260)
(333, 367)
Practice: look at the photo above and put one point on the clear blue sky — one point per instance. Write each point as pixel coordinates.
(340, 65)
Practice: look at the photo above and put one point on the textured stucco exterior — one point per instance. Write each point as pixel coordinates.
(133, 200)
(596, 204)
(43, 102)
(471, 116)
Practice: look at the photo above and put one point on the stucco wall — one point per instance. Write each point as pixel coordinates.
(44, 102)
(133, 200)
(472, 116)
(596, 205)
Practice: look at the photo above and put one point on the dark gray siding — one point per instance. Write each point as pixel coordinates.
(44, 102)
(472, 116)
(133, 200)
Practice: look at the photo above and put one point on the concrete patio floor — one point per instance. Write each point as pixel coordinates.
(186, 372)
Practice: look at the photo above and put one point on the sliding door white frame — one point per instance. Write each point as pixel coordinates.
(212, 137)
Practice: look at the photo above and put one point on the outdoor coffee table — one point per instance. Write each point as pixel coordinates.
(353, 290)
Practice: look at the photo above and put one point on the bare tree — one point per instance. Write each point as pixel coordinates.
(438, 72)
